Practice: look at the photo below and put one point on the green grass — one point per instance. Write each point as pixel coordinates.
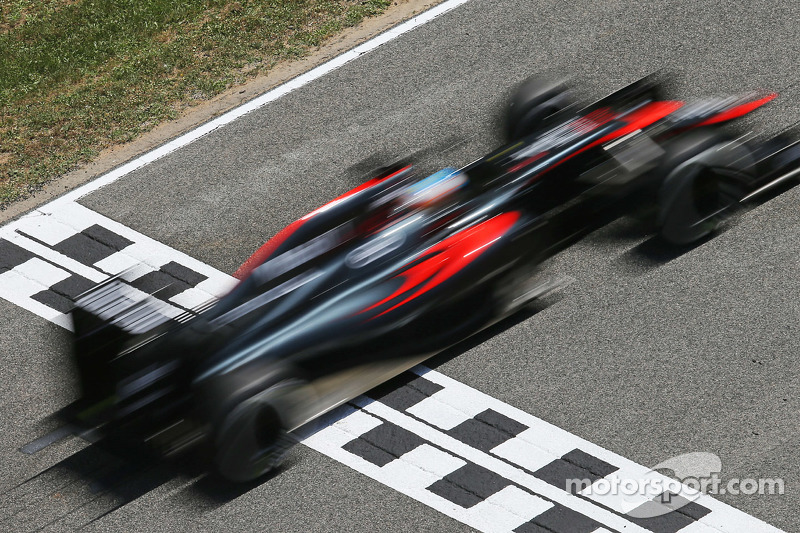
(77, 76)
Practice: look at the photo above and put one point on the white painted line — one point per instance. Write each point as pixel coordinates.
(138, 269)
(327, 445)
(422, 467)
(116, 263)
(337, 428)
(522, 452)
(22, 286)
(46, 229)
(507, 509)
(448, 408)
(699, 527)
(329, 439)
(42, 272)
(256, 103)
(357, 423)
(146, 254)
(191, 298)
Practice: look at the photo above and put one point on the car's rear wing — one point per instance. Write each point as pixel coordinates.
(108, 320)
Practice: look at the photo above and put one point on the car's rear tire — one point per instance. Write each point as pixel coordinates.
(534, 103)
(253, 439)
(249, 422)
(701, 180)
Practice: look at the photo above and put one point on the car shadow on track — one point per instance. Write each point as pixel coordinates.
(104, 476)
(654, 253)
(85, 487)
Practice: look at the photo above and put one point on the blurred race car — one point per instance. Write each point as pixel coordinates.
(403, 267)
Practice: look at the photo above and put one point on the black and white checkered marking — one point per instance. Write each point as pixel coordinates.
(487, 430)
(461, 452)
(51, 256)
(427, 472)
(575, 464)
(383, 444)
(496, 468)
(405, 391)
(560, 519)
(469, 485)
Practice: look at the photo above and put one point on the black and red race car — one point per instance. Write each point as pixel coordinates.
(404, 267)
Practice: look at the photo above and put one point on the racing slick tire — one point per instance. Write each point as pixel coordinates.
(535, 102)
(250, 436)
(702, 178)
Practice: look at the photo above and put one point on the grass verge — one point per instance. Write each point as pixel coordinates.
(78, 76)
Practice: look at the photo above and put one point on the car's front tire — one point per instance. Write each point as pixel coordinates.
(534, 103)
(702, 177)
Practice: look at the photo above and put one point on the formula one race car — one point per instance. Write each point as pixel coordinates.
(404, 267)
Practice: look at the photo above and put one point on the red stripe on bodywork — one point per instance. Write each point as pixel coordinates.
(448, 257)
(641, 118)
(268, 248)
(525, 162)
(366, 185)
(596, 118)
(739, 110)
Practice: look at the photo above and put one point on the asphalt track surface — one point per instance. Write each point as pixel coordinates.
(648, 353)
